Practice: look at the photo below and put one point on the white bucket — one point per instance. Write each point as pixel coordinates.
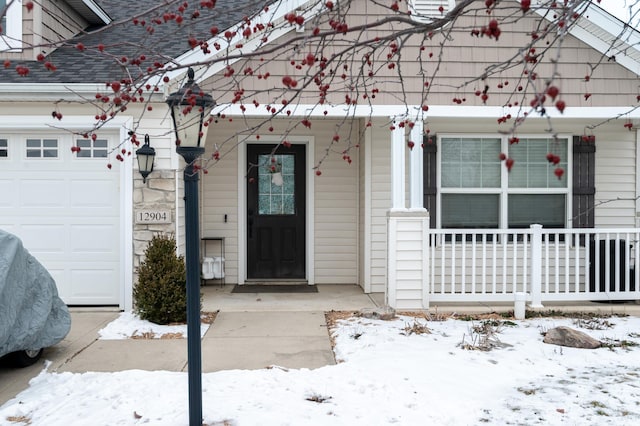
(218, 268)
(207, 268)
(519, 307)
(213, 268)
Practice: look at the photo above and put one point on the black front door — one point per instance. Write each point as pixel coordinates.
(276, 211)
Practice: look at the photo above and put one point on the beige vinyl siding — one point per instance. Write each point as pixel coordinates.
(31, 24)
(380, 204)
(219, 196)
(60, 21)
(464, 57)
(615, 177)
(336, 213)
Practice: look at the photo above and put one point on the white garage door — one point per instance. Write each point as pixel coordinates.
(66, 209)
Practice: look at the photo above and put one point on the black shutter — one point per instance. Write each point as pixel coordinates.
(584, 188)
(430, 148)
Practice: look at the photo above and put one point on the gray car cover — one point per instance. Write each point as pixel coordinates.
(32, 316)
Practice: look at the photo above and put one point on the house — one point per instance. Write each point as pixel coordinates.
(384, 181)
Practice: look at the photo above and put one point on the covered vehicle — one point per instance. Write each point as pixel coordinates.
(32, 315)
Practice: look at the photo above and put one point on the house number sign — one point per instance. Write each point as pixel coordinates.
(153, 216)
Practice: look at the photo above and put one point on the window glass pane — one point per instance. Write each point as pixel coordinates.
(34, 143)
(50, 143)
(4, 148)
(470, 163)
(547, 210)
(92, 149)
(490, 175)
(532, 169)
(276, 184)
(34, 153)
(470, 210)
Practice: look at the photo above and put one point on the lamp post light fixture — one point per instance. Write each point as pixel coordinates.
(145, 155)
(189, 108)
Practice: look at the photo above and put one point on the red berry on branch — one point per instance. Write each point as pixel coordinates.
(509, 163)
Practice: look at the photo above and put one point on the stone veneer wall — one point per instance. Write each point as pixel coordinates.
(158, 193)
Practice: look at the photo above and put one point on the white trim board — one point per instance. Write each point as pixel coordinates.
(435, 111)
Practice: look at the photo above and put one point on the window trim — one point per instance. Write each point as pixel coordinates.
(504, 189)
(12, 41)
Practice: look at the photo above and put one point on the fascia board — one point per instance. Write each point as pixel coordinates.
(435, 111)
(97, 10)
(47, 92)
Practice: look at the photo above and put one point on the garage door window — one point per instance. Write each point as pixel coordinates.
(42, 148)
(4, 148)
(92, 149)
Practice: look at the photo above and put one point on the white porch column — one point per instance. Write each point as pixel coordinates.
(398, 147)
(416, 180)
(408, 260)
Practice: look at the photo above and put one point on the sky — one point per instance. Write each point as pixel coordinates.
(620, 9)
(385, 376)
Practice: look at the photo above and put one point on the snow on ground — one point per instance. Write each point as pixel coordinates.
(387, 376)
(129, 325)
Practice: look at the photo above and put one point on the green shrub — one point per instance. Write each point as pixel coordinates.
(160, 295)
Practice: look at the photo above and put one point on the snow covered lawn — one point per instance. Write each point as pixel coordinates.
(388, 374)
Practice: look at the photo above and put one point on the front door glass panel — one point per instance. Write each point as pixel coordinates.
(276, 184)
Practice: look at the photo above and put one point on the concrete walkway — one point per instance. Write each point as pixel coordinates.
(251, 331)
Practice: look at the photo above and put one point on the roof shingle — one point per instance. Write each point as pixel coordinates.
(123, 39)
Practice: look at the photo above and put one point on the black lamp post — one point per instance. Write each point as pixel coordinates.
(189, 109)
(145, 155)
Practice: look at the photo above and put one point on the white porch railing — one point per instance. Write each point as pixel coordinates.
(547, 264)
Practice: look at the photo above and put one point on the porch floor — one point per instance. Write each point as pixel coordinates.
(345, 297)
(337, 297)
